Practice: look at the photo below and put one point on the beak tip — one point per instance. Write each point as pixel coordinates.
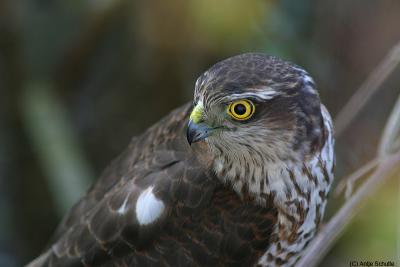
(189, 142)
(189, 135)
(196, 132)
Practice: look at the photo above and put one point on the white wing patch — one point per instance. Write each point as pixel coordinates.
(148, 207)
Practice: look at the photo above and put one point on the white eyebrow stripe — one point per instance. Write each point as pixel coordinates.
(264, 95)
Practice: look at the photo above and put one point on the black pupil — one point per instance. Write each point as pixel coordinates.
(240, 109)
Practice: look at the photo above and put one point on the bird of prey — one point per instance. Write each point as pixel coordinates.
(238, 177)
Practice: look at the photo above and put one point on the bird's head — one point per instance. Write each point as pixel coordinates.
(254, 108)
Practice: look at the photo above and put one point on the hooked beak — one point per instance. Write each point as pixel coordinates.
(197, 131)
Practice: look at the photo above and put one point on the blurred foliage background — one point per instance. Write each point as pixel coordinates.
(79, 78)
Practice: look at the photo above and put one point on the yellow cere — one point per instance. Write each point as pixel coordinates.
(197, 114)
(241, 109)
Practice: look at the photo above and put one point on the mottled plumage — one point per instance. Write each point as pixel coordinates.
(246, 192)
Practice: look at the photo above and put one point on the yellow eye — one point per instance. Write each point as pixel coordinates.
(241, 110)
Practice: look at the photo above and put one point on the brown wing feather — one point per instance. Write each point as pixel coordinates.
(226, 232)
(204, 222)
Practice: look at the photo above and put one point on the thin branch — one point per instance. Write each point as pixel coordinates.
(367, 89)
(334, 228)
(390, 141)
(350, 180)
(391, 134)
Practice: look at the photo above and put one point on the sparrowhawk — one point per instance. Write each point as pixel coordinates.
(238, 177)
